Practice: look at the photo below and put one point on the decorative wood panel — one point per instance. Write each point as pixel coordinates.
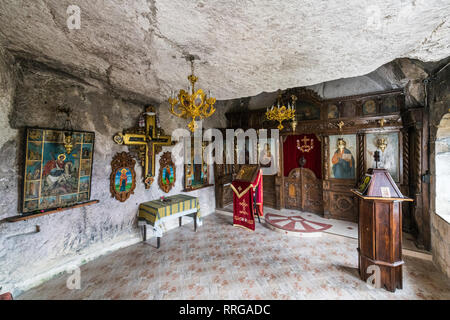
(343, 206)
(360, 115)
(269, 194)
(303, 191)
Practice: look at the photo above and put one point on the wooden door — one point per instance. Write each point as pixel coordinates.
(303, 191)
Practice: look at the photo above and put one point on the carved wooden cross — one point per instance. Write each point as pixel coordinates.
(149, 140)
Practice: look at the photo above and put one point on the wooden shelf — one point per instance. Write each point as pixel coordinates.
(198, 188)
(24, 217)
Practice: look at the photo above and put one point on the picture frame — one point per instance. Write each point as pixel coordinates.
(369, 107)
(196, 173)
(389, 158)
(167, 172)
(333, 111)
(54, 175)
(123, 176)
(390, 105)
(343, 156)
(304, 110)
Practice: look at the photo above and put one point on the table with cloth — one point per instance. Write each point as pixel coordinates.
(157, 212)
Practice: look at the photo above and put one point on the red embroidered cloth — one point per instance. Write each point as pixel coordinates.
(306, 145)
(246, 203)
(6, 296)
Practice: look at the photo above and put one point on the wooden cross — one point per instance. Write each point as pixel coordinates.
(149, 140)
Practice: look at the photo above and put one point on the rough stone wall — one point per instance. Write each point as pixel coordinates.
(439, 100)
(244, 47)
(71, 237)
(400, 73)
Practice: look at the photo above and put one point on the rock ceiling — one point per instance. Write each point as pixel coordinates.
(243, 47)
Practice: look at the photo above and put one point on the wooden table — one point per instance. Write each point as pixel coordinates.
(157, 212)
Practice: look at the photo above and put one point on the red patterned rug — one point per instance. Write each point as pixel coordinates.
(295, 223)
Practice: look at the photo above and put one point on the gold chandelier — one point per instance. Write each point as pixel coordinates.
(194, 105)
(281, 113)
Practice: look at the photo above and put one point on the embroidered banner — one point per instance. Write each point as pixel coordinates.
(247, 201)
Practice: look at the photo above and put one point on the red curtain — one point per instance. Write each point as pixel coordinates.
(292, 153)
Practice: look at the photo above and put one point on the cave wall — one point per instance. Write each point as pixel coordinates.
(29, 96)
(439, 102)
(404, 74)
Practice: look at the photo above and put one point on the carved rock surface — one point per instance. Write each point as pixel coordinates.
(244, 47)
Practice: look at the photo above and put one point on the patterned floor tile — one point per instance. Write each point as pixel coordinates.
(220, 261)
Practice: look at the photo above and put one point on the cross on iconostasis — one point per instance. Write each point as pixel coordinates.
(148, 139)
(306, 147)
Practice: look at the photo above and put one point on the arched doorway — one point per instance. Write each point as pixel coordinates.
(440, 197)
(442, 165)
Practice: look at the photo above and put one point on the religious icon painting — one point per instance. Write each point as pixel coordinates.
(87, 151)
(167, 172)
(266, 154)
(389, 105)
(369, 107)
(342, 156)
(307, 111)
(84, 184)
(389, 157)
(83, 196)
(333, 111)
(348, 109)
(53, 178)
(123, 176)
(88, 138)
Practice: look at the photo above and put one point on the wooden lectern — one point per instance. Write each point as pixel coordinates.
(380, 228)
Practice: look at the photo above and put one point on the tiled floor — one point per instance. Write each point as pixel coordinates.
(220, 261)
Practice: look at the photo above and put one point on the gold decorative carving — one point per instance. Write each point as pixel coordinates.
(305, 147)
(382, 144)
(280, 112)
(192, 105)
(147, 139)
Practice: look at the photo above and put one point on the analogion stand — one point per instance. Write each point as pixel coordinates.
(380, 229)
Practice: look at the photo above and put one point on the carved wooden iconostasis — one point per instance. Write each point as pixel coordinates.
(342, 134)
